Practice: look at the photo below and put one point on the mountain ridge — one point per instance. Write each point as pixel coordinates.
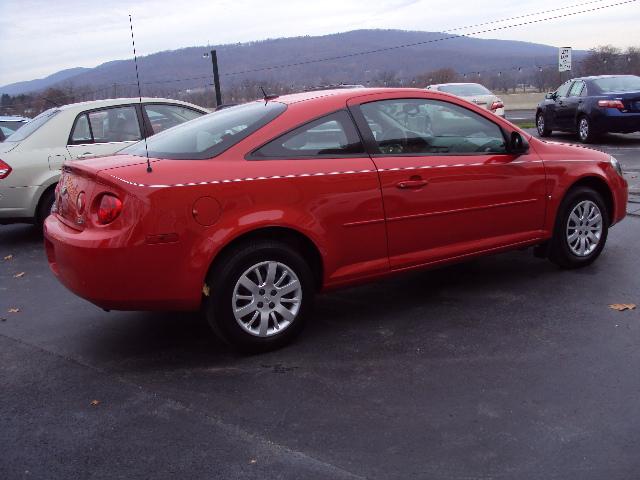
(186, 68)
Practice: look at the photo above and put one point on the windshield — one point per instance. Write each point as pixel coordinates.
(32, 125)
(627, 83)
(465, 90)
(209, 135)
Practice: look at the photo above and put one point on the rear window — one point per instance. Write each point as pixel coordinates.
(32, 125)
(209, 135)
(466, 90)
(622, 84)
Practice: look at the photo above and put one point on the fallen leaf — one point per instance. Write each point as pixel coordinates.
(95, 403)
(621, 307)
(8, 257)
(19, 275)
(13, 310)
(206, 290)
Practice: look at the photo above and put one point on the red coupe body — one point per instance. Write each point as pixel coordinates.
(356, 216)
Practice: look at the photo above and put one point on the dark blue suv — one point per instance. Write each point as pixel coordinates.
(590, 106)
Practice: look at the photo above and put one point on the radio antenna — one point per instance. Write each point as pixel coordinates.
(135, 60)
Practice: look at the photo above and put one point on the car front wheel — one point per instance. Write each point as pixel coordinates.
(581, 229)
(541, 125)
(260, 293)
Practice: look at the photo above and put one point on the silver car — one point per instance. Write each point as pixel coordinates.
(473, 92)
(31, 158)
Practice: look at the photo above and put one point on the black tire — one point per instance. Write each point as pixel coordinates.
(541, 125)
(560, 251)
(219, 305)
(585, 131)
(44, 206)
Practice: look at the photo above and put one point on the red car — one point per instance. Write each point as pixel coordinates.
(249, 211)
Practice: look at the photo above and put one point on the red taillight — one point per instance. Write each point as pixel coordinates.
(5, 170)
(611, 104)
(109, 208)
(496, 105)
(80, 203)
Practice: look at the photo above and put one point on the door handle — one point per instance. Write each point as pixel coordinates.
(411, 184)
(84, 155)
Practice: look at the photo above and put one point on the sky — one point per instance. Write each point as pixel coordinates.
(42, 37)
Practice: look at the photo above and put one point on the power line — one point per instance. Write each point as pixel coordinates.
(424, 42)
(523, 16)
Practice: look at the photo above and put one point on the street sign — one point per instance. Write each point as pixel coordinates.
(564, 59)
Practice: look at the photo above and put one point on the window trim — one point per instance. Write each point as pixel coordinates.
(137, 109)
(371, 145)
(251, 156)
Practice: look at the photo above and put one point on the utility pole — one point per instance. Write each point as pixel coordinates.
(216, 77)
(115, 90)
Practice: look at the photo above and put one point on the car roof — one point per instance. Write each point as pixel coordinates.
(112, 102)
(345, 93)
(454, 83)
(597, 77)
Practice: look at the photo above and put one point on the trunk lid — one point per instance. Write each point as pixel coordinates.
(483, 101)
(81, 179)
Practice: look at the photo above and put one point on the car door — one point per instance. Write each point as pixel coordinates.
(562, 108)
(343, 202)
(572, 104)
(449, 186)
(104, 131)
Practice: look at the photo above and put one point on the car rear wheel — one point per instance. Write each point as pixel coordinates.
(260, 294)
(581, 229)
(541, 126)
(585, 130)
(44, 206)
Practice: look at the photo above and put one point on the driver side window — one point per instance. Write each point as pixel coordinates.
(563, 91)
(431, 127)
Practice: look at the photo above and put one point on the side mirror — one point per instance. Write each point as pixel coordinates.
(517, 144)
(550, 96)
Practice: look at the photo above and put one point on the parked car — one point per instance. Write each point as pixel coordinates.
(31, 159)
(591, 106)
(473, 92)
(250, 210)
(9, 124)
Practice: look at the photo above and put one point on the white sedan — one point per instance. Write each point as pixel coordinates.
(31, 158)
(473, 92)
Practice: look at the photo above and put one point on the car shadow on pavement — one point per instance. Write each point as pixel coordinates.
(362, 317)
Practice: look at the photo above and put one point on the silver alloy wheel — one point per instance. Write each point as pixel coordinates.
(583, 128)
(584, 228)
(540, 124)
(266, 298)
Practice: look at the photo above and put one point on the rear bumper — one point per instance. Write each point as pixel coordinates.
(114, 273)
(614, 121)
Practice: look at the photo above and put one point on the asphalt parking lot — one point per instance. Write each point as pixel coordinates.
(500, 368)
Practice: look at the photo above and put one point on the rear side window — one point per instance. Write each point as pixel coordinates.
(163, 116)
(209, 135)
(334, 135)
(576, 89)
